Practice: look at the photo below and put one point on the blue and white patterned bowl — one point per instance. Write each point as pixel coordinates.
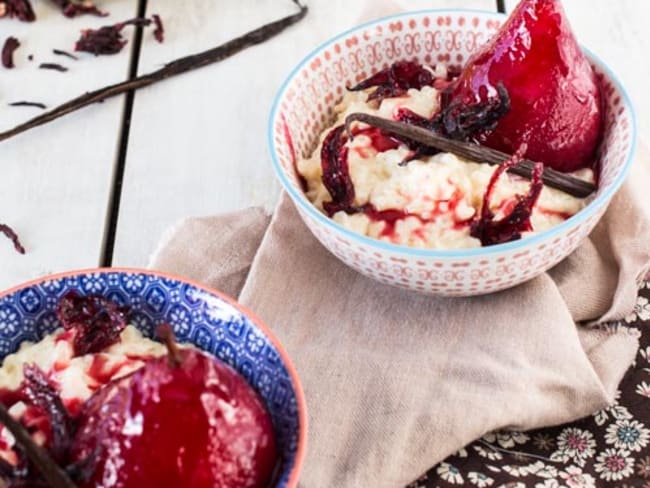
(203, 317)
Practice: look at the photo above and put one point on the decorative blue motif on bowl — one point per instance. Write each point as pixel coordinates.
(197, 316)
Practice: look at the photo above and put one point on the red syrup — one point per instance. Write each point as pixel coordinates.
(379, 142)
(439, 208)
(554, 213)
(292, 152)
(73, 406)
(103, 367)
(10, 397)
(35, 420)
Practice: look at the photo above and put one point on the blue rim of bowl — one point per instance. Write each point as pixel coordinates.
(600, 200)
(301, 404)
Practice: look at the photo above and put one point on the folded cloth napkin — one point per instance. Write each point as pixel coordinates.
(396, 381)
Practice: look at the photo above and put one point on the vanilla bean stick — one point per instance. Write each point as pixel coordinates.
(53, 474)
(176, 67)
(552, 178)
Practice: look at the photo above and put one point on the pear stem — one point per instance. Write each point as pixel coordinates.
(166, 335)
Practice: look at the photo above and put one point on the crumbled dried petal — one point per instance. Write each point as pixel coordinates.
(13, 237)
(107, 39)
(53, 66)
(10, 45)
(462, 121)
(21, 9)
(97, 321)
(61, 52)
(336, 175)
(396, 80)
(159, 31)
(72, 8)
(510, 227)
(24, 103)
(40, 393)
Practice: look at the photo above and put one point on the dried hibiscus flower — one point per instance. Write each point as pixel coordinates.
(510, 227)
(25, 103)
(8, 49)
(107, 39)
(40, 393)
(72, 8)
(53, 66)
(336, 174)
(462, 121)
(21, 9)
(13, 237)
(98, 321)
(61, 52)
(43, 401)
(396, 80)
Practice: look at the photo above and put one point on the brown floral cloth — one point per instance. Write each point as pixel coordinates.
(610, 448)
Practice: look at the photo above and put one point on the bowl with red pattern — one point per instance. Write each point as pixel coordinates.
(201, 317)
(304, 108)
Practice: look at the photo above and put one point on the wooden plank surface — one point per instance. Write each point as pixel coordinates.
(55, 180)
(198, 143)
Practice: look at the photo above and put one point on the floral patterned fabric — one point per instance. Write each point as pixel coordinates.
(610, 448)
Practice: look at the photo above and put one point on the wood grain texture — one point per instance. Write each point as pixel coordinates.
(55, 181)
(198, 143)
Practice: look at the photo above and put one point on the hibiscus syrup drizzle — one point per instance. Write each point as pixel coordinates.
(379, 141)
(10, 397)
(439, 208)
(103, 368)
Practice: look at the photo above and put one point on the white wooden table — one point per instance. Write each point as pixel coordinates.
(99, 187)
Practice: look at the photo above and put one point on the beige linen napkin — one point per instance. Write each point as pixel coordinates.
(396, 381)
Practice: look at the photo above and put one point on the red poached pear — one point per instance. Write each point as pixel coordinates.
(554, 95)
(185, 419)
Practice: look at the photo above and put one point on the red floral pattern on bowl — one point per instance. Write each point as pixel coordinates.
(303, 109)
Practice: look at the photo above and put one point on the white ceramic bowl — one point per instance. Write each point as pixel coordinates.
(303, 109)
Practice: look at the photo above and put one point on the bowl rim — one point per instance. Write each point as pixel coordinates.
(286, 360)
(539, 238)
